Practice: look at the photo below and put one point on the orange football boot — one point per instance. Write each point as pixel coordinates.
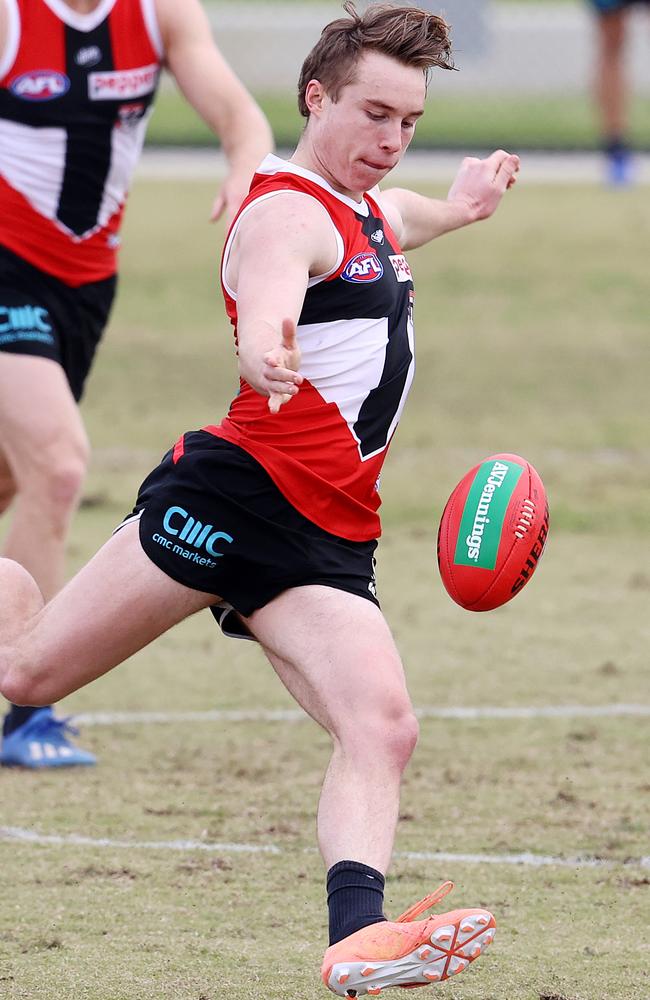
(408, 952)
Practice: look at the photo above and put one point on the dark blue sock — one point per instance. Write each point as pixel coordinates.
(15, 717)
(615, 145)
(355, 898)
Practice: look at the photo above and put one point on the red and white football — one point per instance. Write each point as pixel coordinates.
(492, 532)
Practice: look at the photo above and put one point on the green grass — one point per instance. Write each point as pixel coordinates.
(542, 122)
(532, 335)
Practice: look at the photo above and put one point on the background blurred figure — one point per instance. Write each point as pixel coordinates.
(611, 85)
(77, 80)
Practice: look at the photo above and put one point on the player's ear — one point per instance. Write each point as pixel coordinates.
(315, 97)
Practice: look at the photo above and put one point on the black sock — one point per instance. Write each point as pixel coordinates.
(15, 717)
(615, 145)
(355, 898)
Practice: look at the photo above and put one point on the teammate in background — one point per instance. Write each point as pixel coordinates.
(270, 518)
(77, 79)
(610, 85)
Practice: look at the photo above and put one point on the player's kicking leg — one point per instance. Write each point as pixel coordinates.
(118, 603)
(335, 654)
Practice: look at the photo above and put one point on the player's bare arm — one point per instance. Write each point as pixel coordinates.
(279, 245)
(213, 90)
(475, 194)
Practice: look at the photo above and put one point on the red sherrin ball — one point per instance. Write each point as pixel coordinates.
(492, 532)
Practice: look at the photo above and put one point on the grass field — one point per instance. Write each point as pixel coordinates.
(532, 333)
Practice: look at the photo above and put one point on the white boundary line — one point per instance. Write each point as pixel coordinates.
(428, 712)
(524, 859)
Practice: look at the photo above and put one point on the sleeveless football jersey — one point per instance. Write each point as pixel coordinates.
(325, 448)
(75, 96)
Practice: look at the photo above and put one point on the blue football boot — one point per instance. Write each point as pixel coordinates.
(42, 741)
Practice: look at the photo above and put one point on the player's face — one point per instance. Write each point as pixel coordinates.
(361, 136)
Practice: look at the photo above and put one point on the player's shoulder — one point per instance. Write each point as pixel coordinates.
(290, 213)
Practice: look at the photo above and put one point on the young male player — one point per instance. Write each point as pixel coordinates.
(77, 79)
(610, 85)
(273, 513)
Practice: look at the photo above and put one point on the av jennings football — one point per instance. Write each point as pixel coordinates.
(492, 532)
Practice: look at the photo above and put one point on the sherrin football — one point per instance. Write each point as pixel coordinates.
(492, 532)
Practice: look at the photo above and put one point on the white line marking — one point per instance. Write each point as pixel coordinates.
(17, 833)
(525, 859)
(296, 715)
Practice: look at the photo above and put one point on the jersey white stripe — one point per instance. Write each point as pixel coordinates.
(352, 366)
(13, 37)
(126, 146)
(32, 161)
(78, 21)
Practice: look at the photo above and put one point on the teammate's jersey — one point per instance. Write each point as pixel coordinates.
(326, 446)
(75, 94)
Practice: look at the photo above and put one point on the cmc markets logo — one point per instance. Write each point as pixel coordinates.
(195, 536)
(40, 85)
(365, 267)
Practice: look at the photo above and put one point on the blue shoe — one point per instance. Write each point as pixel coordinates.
(43, 741)
(620, 167)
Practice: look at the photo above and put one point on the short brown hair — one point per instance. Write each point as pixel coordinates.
(408, 34)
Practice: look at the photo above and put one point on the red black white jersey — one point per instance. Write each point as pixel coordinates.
(75, 96)
(325, 448)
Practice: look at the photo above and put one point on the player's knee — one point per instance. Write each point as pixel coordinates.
(64, 482)
(56, 482)
(402, 737)
(19, 685)
(390, 731)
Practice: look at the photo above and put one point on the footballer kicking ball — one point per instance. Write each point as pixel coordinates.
(492, 532)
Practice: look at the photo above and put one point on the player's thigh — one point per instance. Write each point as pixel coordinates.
(39, 418)
(117, 604)
(335, 654)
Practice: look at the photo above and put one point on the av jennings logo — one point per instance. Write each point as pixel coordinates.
(197, 536)
(485, 508)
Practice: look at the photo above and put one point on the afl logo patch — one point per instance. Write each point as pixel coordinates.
(365, 267)
(40, 85)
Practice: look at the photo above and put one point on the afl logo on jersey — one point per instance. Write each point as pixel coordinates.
(365, 267)
(40, 85)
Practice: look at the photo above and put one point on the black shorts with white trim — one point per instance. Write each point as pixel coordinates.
(212, 519)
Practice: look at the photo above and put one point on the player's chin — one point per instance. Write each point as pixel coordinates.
(367, 175)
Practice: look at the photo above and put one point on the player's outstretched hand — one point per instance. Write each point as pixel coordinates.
(480, 184)
(280, 374)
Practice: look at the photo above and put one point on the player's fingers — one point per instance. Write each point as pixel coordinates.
(506, 166)
(218, 206)
(277, 399)
(285, 375)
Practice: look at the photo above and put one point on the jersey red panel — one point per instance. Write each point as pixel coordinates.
(75, 94)
(325, 448)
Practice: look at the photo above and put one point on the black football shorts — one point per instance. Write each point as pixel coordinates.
(43, 316)
(211, 518)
